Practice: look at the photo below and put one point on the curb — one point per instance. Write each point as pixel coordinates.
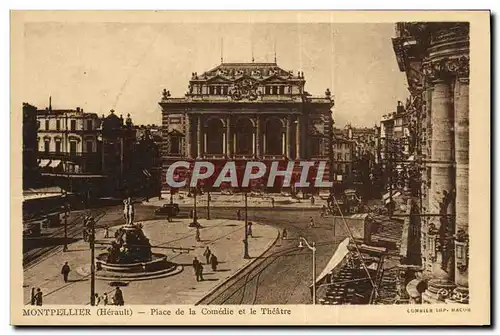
(238, 271)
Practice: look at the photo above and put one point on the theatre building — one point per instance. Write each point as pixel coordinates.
(247, 112)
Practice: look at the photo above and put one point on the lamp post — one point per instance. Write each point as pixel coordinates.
(208, 205)
(245, 241)
(195, 214)
(66, 207)
(313, 249)
(92, 263)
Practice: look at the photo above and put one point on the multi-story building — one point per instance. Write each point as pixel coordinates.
(343, 157)
(68, 141)
(435, 58)
(247, 111)
(118, 138)
(30, 147)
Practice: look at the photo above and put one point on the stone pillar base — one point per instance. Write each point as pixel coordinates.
(460, 295)
(438, 290)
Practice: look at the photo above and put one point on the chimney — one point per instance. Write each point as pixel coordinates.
(78, 109)
(400, 108)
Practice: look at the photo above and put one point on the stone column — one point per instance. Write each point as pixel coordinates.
(462, 186)
(440, 230)
(257, 137)
(283, 143)
(228, 137)
(198, 137)
(288, 137)
(188, 136)
(297, 139)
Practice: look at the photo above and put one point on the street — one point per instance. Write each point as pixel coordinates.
(284, 273)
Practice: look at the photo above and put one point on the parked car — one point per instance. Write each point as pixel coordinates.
(32, 229)
(170, 210)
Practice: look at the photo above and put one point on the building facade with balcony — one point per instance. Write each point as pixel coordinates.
(68, 141)
(435, 58)
(31, 172)
(246, 111)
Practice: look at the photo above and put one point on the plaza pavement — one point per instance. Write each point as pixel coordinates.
(223, 237)
(238, 200)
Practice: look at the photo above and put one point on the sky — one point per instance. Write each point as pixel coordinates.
(125, 66)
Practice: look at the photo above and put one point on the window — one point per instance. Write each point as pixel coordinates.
(347, 156)
(58, 147)
(224, 90)
(47, 146)
(73, 125)
(46, 124)
(38, 125)
(339, 156)
(268, 90)
(58, 124)
(211, 90)
(315, 147)
(175, 147)
(275, 90)
(89, 124)
(72, 148)
(90, 146)
(218, 90)
(282, 90)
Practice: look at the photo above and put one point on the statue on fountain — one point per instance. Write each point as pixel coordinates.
(130, 244)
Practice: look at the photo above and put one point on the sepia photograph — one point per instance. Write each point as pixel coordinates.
(218, 163)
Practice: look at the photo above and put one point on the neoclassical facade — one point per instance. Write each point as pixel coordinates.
(246, 111)
(435, 57)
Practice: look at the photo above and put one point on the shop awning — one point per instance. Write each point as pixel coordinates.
(55, 163)
(44, 162)
(337, 258)
(387, 196)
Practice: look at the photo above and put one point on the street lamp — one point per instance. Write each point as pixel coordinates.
(66, 207)
(245, 241)
(313, 249)
(195, 214)
(92, 262)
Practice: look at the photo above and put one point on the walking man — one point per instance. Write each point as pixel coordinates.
(199, 272)
(198, 239)
(105, 299)
(238, 214)
(196, 263)
(214, 262)
(285, 233)
(311, 222)
(65, 271)
(207, 254)
(119, 297)
(38, 297)
(33, 301)
(249, 231)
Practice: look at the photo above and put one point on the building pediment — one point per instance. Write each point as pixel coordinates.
(218, 79)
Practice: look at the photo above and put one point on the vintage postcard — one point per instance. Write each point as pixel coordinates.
(250, 168)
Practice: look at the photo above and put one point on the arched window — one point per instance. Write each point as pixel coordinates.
(215, 136)
(244, 137)
(274, 137)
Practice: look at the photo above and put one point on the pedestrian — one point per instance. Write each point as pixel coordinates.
(238, 214)
(97, 299)
(214, 262)
(207, 254)
(119, 297)
(33, 301)
(196, 263)
(65, 271)
(38, 297)
(198, 239)
(106, 232)
(105, 299)
(199, 272)
(312, 200)
(272, 202)
(311, 222)
(249, 230)
(285, 234)
(323, 211)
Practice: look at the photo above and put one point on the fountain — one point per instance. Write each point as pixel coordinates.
(129, 257)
